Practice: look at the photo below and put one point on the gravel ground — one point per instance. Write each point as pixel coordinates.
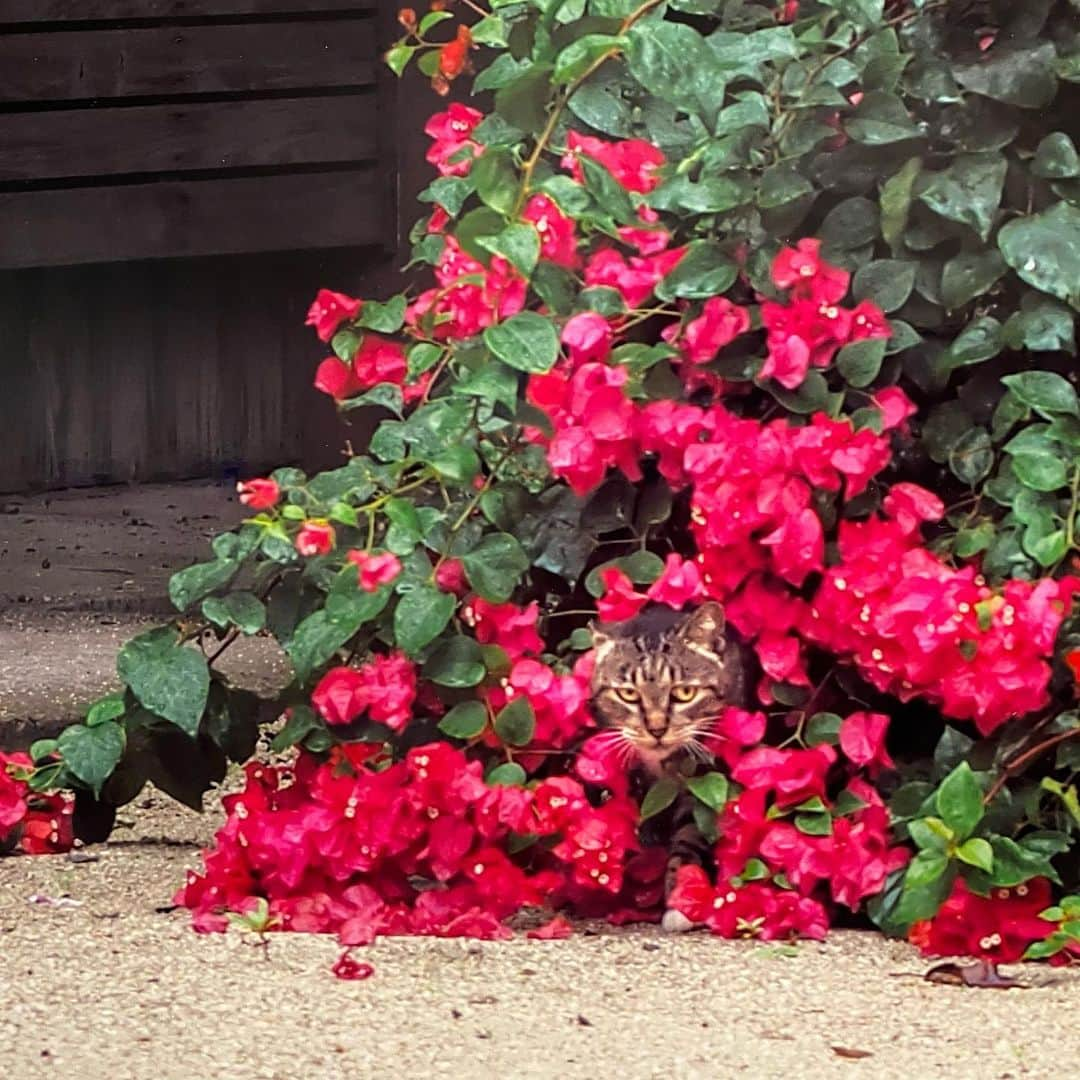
(115, 989)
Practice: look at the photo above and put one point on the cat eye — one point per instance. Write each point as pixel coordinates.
(627, 693)
(685, 693)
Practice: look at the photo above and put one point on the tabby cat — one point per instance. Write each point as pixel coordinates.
(659, 680)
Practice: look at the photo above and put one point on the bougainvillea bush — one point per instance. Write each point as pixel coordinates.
(768, 304)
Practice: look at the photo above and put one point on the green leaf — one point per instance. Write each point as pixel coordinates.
(860, 361)
(457, 662)
(1022, 76)
(980, 340)
(464, 721)
(518, 244)
(610, 195)
(495, 565)
(850, 224)
(168, 679)
(823, 728)
(672, 61)
(516, 723)
(508, 774)
(91, 753)
(496, 179)
(887, 282)
(921, 901)
(398, 56)
(1044, 250)
(323, 632)
(896, 196)
(977, 852)
(970, 275)
(384, 318)
(781, 185)
(865, 14)
(242, 609)
(960, 801)
(704, 271)
(924, 869)
(1044, 391)
(968, 191)
(931, 834)
(972, 456)
(300, 722)
(1056, 158)
(711, 789)
(1014, 863)
(814, 824)
(881, 119)
(1042, 325)
(457, 464)
(421, 616)
(659, 797)
(579, 55)
(710, 195)
(527, 342)
(189, 586)
(110, 707)
(1041, 472)
(642, 568)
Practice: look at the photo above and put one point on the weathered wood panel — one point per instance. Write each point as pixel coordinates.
(188, 136)
(258, 57)
(140, 371)
(43, 11)
(196, 217)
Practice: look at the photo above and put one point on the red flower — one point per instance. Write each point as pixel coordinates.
(450, 577)
(345, 967)
(793, 775)
(620, 600)
(802, 270)
(510, 627)
(374, 570)
(451, 130)
(454, 55)
(316, 537)
(558, 929)
(862, 739)
(587, 337)
(633, 162)
(329, 310)
(335, 377)
(341, 695)
(719, 323)
(259, 494)
(558, 237)
(895, 408)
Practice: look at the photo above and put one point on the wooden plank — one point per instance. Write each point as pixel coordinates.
(186, 136)
(196, 217)
(45, 11)
(255, 57)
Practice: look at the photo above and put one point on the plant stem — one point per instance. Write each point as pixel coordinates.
(1025, 758)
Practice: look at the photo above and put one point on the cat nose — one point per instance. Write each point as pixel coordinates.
(656, 724)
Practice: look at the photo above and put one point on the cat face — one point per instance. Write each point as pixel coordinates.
(660, 680)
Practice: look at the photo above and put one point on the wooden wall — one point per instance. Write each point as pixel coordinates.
(177, 178)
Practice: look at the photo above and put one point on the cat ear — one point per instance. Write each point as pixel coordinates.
(705, 627)
(603, 642)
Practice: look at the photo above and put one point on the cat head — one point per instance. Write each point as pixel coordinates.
(660, 679)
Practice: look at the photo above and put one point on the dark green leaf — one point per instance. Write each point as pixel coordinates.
(421, 616)
(672, 61)
(610, 195)
(704, 271)
(1056, 158)
(168, 679)
(110, 707)
(972, 456)
(880, 119)
(1044, 250)
(860, 361)
(823, 728)
(1042, 325)
(518, 244)
(887, 282)
(509, 774)
(970, 275)
(1022, 76)
(495, 565)
(527, 342)
(968, 191)
(300, 722)
(850, 224)
(457, 662)
(980, 340)
(189, 586)
(659, 797)
(1042, 472)
(464, 721)
(384, 318)
(516, 722)
(896, 196)
(91, 753)
(576, 58)
(1044, 391)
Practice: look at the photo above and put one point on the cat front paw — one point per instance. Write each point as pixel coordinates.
(675, 922)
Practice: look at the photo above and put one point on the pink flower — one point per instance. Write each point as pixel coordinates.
(374, 570)
(259, 494)
(558, 237)
(329, 310)
(341, 695)
(451, 130)
(587, 337)
(633, 162)
(558, 929)
(450, 577)
(802, 270)
(316, 537)
(895, 408)
(620, 600)
(719, 323)
(510, 627)
(793, 775)
(679, 584)
(862, 739)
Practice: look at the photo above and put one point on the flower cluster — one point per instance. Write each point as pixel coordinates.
(30, 823)
(358, 846)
